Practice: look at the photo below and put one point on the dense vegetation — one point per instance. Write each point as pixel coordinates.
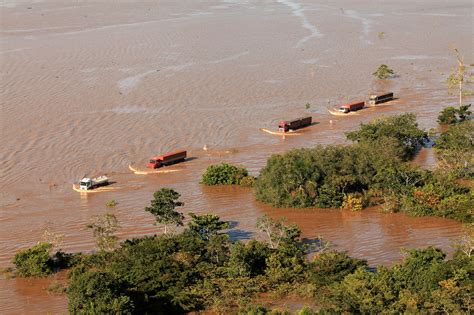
(453, 115)
(455, 150)
(373, 169)
(201, 268)
(227, 174)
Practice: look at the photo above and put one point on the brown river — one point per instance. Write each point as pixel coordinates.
(89, 87)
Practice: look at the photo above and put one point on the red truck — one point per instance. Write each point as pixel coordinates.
(167, 159)
(294, 124)
(351, 107)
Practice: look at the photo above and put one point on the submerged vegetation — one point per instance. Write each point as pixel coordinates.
(375, 166)
(227, 174)
(383, 72)
(202, 269)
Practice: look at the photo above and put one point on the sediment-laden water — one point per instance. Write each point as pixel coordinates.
(90, 88)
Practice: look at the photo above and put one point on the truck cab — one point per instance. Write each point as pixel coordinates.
(283, 126)
(154, 163)
(85, 184)
(344, 109)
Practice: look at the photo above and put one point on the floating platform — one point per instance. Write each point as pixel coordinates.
(335, 112)
(279, 133)
(146, 172)
(76, 188)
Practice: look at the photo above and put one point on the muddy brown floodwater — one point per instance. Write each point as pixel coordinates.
(91, 87)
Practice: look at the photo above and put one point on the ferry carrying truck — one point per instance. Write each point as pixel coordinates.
(90, 183)
(375, 99)
(167, 159)
(294, 124)
(351, 107)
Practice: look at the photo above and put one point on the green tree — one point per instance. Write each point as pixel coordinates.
(103, 229)
(163, 207)
(248, 260)
(383, 72)
(97, 292)
(451, 115)
(34, 261)
(223, 174)
(206, 225)
(402, 128)
(455, 149)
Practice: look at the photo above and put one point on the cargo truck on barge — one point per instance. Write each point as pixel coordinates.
(294, 124)
(91, 183)
(375, 99)
(167, 159)
(351, 107)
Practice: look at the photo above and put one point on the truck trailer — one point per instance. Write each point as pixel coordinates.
(90, 183)
(167, 159)
(377, 99)
(351, 107)
(294, 124)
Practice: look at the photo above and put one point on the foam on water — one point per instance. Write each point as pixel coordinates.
(298, 11)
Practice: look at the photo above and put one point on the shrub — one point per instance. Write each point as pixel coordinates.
(248, 181)
(451, 115)
(34, 261)
(111, 203)
(384, 72)
(223, 174)
(353, 202)
(332, 266)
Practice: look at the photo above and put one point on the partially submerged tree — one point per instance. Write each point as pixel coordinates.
(163, 207)
(457, 77)
(384, 72)
(34, 261)
(451, 115)
(103, 229)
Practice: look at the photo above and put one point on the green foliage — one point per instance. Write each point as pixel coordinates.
(207, 225)
(451, 115)
(409, 287)
(455, 149)
(223, 174)
(330, 267)
(97, 292)
(111, 203)
(103, 229)
(34, 261)
(384, 72)
(248, 181)
(402, 129)
(163, 207)
(320, 177)
(439, 195)
(248, 260)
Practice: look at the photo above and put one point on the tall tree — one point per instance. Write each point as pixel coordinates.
(207, 225)
(457, 77)
(163, 207)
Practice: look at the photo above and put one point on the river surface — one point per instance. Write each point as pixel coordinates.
(89, 87)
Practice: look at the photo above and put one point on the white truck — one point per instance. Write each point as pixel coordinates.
(90, 183)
